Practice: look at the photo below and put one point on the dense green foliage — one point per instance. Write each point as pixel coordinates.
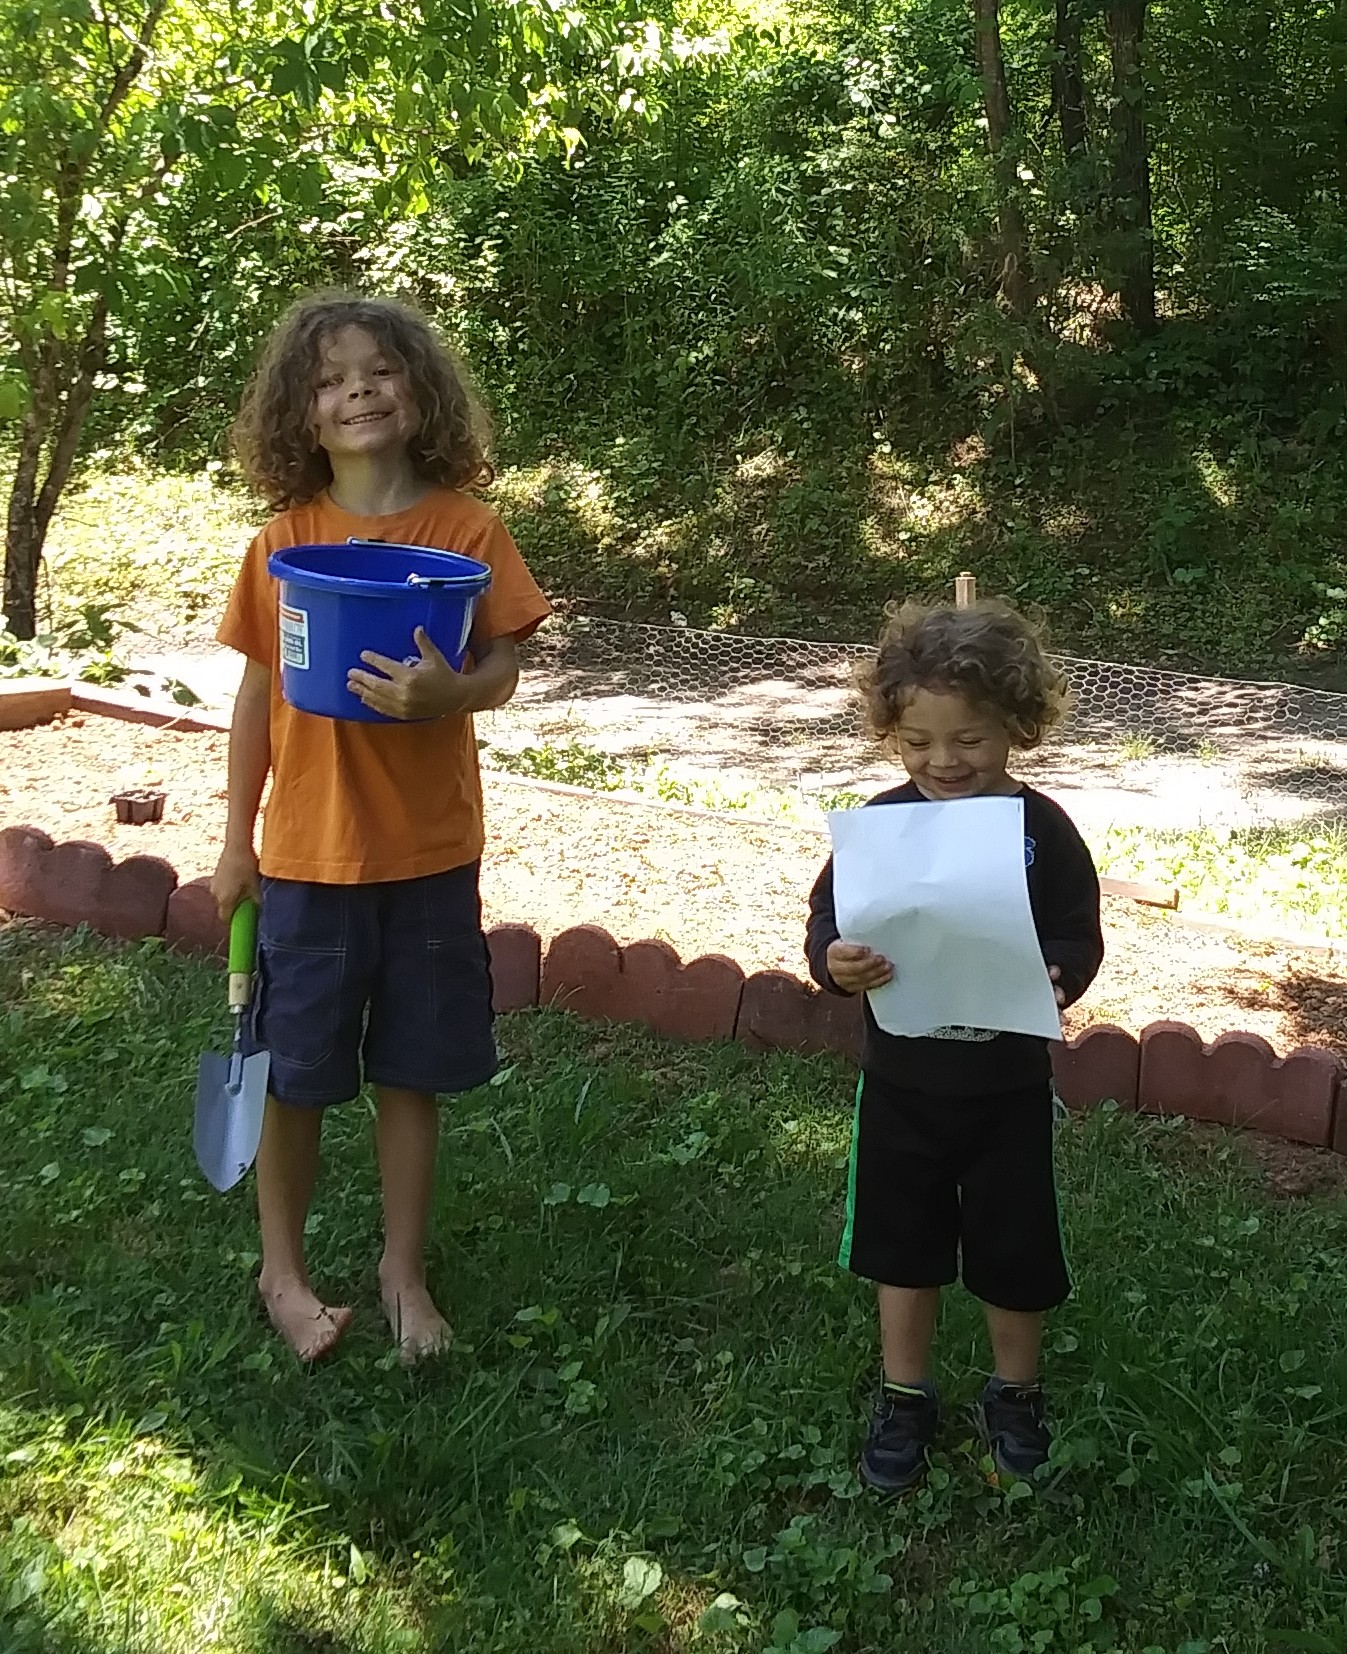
(645, 1439)
(751, 353)
(138, 135)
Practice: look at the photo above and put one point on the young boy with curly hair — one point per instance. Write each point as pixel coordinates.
(951, 1158)
(372, 963)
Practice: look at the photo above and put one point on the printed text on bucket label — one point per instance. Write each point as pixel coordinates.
(294, 637)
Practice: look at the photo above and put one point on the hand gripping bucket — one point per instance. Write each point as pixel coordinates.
(336, 601)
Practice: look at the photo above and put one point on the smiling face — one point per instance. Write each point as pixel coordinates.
(952, 748)
(362, 400)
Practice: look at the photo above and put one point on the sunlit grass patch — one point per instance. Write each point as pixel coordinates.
(1283, 877)
(163, 546)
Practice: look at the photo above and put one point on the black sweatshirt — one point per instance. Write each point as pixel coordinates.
(1064, 898)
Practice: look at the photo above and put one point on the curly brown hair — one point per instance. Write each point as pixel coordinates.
(989, 653)
(272, 434)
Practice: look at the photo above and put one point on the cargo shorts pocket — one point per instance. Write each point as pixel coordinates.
(298, 1009)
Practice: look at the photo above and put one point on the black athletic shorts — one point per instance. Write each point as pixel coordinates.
(390, 980)
(939, 1182)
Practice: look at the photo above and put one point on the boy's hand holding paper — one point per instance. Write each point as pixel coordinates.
(939, 889)
(856, 969)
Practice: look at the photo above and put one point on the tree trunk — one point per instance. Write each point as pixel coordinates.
(1068, 81)
(52, 427)
(23, 546)
(74, 411)
(61, 390)
(1132, 165)
(1014, 278)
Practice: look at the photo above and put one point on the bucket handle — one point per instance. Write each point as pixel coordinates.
(435, 580)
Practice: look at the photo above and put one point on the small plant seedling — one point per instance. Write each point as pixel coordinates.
(1137, 745)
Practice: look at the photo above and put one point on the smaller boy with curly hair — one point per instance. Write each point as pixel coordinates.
(951, 1155)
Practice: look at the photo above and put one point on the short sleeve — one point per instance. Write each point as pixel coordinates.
(249, 623)
(514, 606)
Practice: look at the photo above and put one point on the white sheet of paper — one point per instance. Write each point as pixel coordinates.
(940, 891)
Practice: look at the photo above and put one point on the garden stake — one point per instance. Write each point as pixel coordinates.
(231, 1092)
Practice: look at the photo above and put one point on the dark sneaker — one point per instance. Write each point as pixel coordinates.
(1010, 1420)
(902, 1427)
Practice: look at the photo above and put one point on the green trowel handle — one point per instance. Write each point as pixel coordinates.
(242, 953)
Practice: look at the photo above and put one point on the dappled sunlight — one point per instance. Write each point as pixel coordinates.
(620, 1589)
(768, 465)
(817, 1139)
(69, 978)
(646, 1432)
(1065, 522)
(163, 544)
(120, 1533)
(1112, 534)
(1220, 481)
(583, 492)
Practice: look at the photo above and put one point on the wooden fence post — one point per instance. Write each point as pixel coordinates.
(965, 590)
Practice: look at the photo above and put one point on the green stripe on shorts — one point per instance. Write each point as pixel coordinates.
(844, 1251)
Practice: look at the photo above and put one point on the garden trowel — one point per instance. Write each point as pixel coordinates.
(231, 1092)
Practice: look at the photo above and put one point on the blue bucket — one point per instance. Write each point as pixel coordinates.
(337, 601)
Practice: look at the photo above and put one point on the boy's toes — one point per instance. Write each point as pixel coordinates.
(419, 1330)
(310, 1327)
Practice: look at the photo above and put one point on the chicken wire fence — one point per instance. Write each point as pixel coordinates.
(784, 711)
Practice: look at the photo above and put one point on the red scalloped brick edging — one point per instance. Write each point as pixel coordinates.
(779, 1012)
(193, 923)
(78, 883)
(1238, 1080)
(1101, 1065)
(586, 971)
(516, 954)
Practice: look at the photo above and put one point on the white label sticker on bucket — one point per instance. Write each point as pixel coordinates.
(294, 637)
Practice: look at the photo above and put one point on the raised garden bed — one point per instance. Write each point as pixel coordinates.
(700, 885)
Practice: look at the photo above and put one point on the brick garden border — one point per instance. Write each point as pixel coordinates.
(1236, 1081)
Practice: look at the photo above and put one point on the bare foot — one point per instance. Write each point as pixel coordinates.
(309, 1326)
(419, 1330)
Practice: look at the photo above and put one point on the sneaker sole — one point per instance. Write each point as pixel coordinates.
(886, 1492)
(1002, 1468)
(881, 1491)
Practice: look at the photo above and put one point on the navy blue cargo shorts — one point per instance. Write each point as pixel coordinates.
(391, 977)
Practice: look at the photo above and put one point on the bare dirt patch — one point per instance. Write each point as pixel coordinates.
(704, 884)
(1291, 1170)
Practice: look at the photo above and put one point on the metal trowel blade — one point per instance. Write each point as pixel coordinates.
(227, 1126)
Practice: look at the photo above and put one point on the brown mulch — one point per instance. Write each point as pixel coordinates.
(703, 884)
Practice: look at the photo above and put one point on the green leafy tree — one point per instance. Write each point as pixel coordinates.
(111, 108)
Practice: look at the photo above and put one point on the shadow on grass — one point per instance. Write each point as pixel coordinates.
(1161, 540)
(660, 1374)
(591, 1211)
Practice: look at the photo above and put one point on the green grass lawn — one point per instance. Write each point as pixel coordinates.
(646, 1436)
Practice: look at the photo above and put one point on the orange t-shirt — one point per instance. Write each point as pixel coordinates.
(356, 803)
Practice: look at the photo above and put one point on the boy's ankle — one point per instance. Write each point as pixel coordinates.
(907, 1386)
(400, 1276)
(996, 1383)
